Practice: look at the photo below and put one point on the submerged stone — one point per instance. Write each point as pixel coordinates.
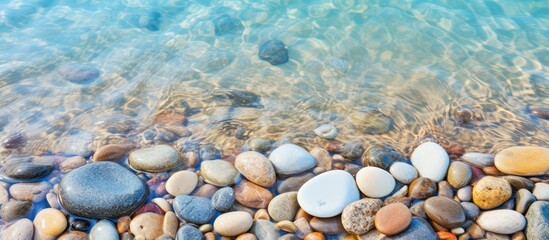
(273, 51)
(78, 73)
(26, 168)
(151, 21)
(226, 24)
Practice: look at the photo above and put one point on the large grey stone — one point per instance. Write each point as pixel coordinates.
(537, 218)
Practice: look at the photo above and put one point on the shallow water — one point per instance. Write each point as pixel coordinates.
(415, 62)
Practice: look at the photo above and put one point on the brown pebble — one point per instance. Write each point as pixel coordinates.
(110, 152)
(74, 235)
(35, 192)
(148, 207)
(303, 227)
(71, 163)
(123, 224)
(475, 231)
(339, 166)
(446, 236)
(246, 236)
(518, 236)
(477, 174)
(315, 236)
(492, 171)
(252, 195)
(302, 214)
(207, 191)
(422, 188)
(170, 224)
(330, 226)
(438, 227)
(287, 226)
(209, 236)
(261, 214)
(393, 218)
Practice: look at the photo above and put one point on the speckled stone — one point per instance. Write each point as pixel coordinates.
(35, 192)
(188, 232)
(26, 168)
(220, 173)
(101, 190)
(445, 211)
(156, 158)
(294, 183)
(181, 183)
(393, 218)
(49, 223)
(422, 188)
(501, 221)
(524, 199)
(264, 230)
(193, 209)
(538, 221)
(291, 159)
(381, 157)
(523, 161)
(256, 167)
(233, 223)
(252, 195)
(358, 217)
(283, 206)
(22, 229)
(490, 192)
(147, 225)
(15, 209)
(459, 174)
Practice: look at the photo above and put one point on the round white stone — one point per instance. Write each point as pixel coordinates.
(431, 161)
(375, 182)
(502, 221)
(104, 230)
(291, 159)
(327, 194)
(541, 191)
(403, 172)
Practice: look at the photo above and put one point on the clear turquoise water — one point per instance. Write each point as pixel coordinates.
(417, 62)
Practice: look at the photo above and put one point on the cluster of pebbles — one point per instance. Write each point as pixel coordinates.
(278, 191)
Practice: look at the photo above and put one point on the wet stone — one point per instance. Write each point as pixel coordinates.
(260, 144)
(326, 131)
(294, 183)
(209, 152)
(157, 158)
(104, 229)
(22, 229)
(422, 188)
(256, 167)
(283, 206)
(252, 195)
(264, 230)
(110, 152)
(78, 73)
(445, 211)
(524, 199)
(15, 209)
(291, 159)
(371, 121)
(49, 223)
(273, 51)
(490, 192)
(193, 209)
(26, 168)
(381, 157)
(79, 225)
(226, 24)
(418, 229)
(470, 209)
(358, 217)
(352, 150)
(223, 199)
(538, 221)
(459, 174)
(34, 192)
(15, 140)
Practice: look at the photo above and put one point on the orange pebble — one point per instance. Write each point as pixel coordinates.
(446, 236)
(315, 236)
(302, 214)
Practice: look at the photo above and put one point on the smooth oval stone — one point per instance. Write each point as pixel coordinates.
(22, 229)
(78, 73)
(15, 209)
(524, 199)
(381, 157)
(323, 158)
(79, 225)
(181, 183)
(403, 172)
(393, 218)
(418, 229)
(501, 221)
(327, 194)
(445, 211)
(291, 159)
(326, 131)
(330, 226)
(15, 140)
(35, 192)
(478, 159)
(233, 223)
(465, 193)
(104, 230)
(459, 174)
(110, 152)
(74, 235)
(101, 190)
(358, 217)
(226, 24)
(283, 207)
(519, 182)
(193, 209)
(264, 229)
(445, 189)
(538, 220)
(256, 167)
(273, 51)
(294, 183)
(252, 195)
(541, 191)
(170, 224)
(523, 161)
(27, 168)
(375, 182)
(219, 172)
(188, 232)
(490, 192)
(260, 144)
(157, 158)
(470, 209)
(49, 223)
(418, 209)
(223, 199)
(422, 188)
(371, 121)
(147, 225)
(431, 161)
(352, 150)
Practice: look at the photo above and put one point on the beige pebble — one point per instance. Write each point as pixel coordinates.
(74, 235)
(147, 225)
(303, 227)
(318, 170)
(4, 196)
(261, 214)
(123, 224)
(209, 236)
(206, 191)
(315, 236)
(20, 230)
(52, 200)
(181, 183)
(302, 214)
(233, 223)
(110, 152)
(72, 163)
(49, 223)
(163, 204)
(246, 236)
(256, 167)
(170, 224)
(287, 226)
(206, 228)
(191, 159)
(34, 192)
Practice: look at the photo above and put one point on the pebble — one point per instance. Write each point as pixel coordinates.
(431, 161)
(78, 73)
(287, 226)
(370, 120)
(475, 231)
(246, 236)
(74, 235)
(226, 24)
(53, 200)
(523, 161)
(524, 199)
(79, 143)
(323, 158)
(303, 227)
(206, 191)
(375, 182)
(148, 207)
(72, 163)
(291, 159)
(15, 209)
(147, 225)
(22, 229)
(465, 193)
(49, 223)
(418, 209)
(422, 188)
(188, 232)
(315, 236)
(445, 211)
(34, 192)
(233, 223)
(283, 206)
(541, 191)
(470, 209)
(111, 152)
(126, 236)
(273, 51)
(262, 214)
(181, 183)
(538, 221)
(496, 236)
(403, 172)
(264, 230)
(260, 144)
(519, 182)
(381, 157)
(101, 190)
(220, 173)
(197, 210)
(393, 218)
(326, 131)
(330, 226)
(358, 217)
(445, 189)
(418, 229)
(501, 221)
(492, 171)
(490, 192)
(15, 140)
(518, 236)
(4, 195)
(206, 228)
(352, 150)
(252, 195)
(27, 168)
(294, 183)
(327, 194)
(79, 225)
(223, 199)
(459, 174)
(478, 159)
(256, 168)
(302, 214)
(163, 204)
(123, 224)
(289, 236)
(156, 158)
(446, 236)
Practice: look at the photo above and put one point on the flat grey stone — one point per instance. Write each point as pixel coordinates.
(537, 218)
(188, 232)
(223, 199)
(197, 210)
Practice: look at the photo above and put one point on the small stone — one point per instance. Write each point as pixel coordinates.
(209, 236)
(252, 195)
(478, 159)
(381, 157)
(273, 51)
(330, 226)
(206, 228)
(262, 214)
(403, 172)
(74, 235)
(302, 214)
(490, 192)
(188, 232)
(303, 227)
(370, 120)
(431, 161)
(78, 73)
(233, 223)
(418, 229)
(205, 191)
(72, 163)
(226, 24)
(294, 183)
(465, 193)
(34, 192)
(223, 199)
(287, 226)
(392, 219)
(322, 157)
(524, 199)
(289, 236)
(518, 236)
(49, 223)
(446, 236)
(519, 182)
(79, 225)
(123, 224)
(459, 174)
(260, 144)
(147, 225)
(15, 140)
(163, 204)
(27, 168)
(291, 159)
(422, 188)
(523, 161)
(283, 206)
(53, 200)
(458, 231)
(193, 209)
(352, 150)
(110, 152)
(148, 207)
(181, 183)
(246, 236)
(126, 236)
(20, 230)
(501, 221)
(220, 173)
(15, 209)
(326, 131)
(256, 168)
(358, 217)
(541, 191)
(445, 189)
(475, 231)
(4, 195)
(445, 211)
(375, 182)
(492, 171)
(315, 236)
(264, 230)
(470, 209)
(538, 221)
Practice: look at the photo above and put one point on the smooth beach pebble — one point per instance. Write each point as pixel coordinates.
(287, 226)
(523, 161)
(459, 174)
(283, 206)
(501, 221)
(49, 223)
(326, 131)
(445, 211)
(147, 225)
(156, 158)
(538, 220)
(541, 191)
(223, 199)
(431, 161)
(74, 235)
(104, 230)
(273, 51)
(470, 209)
(291, 159)
(197, 210)
(22, 229)
(422, 188)
(110, 152)
(256, 167)
(27, 168)
(393, 218)
(327, 194)
(358, 217)
(78, 73)
(15, 209)
(330, 226)
(72, 163)
(303, 227)
(519, 182)
(381, 157)
(323, 158)
(246, 236)
(252, 195)
(188, 232)
(294, 183)
(375, 182)
(233, 223)
(419, 228)
(465, 193)
(264, 229)
(181, 183)
(403, 172)
(315, 236)
(490, 192)
(163, 204)
(523, 200)
(478, 159)
(220, 173)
